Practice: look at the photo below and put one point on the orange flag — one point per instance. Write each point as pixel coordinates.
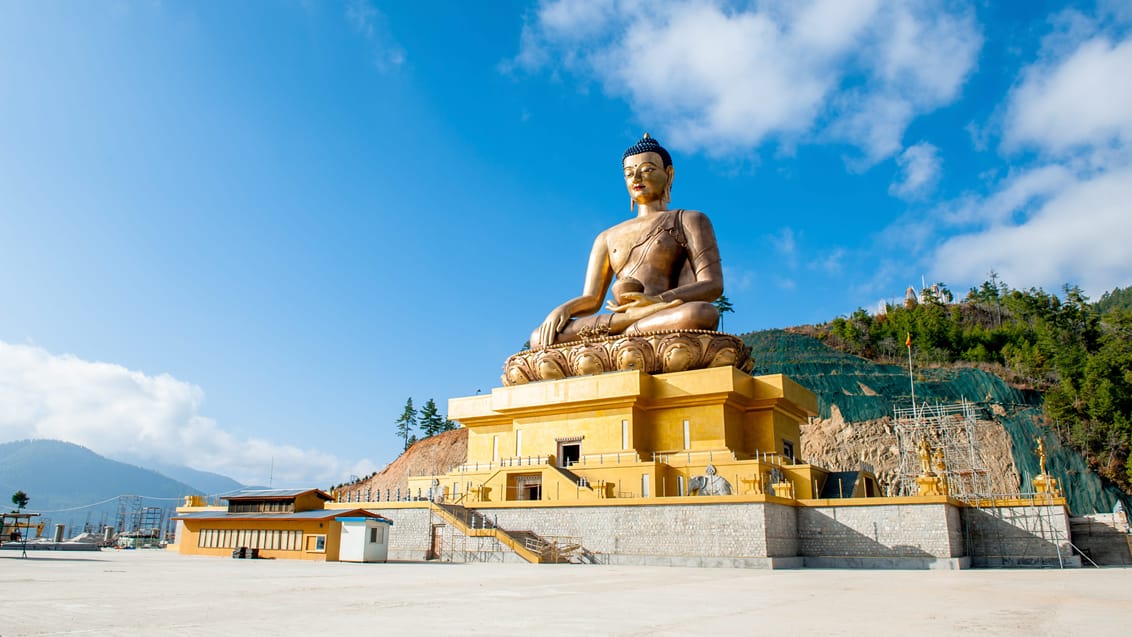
(908, 343)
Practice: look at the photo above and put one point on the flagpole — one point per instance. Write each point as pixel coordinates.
(911, 379)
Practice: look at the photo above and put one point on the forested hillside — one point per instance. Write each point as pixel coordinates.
(1076, 353)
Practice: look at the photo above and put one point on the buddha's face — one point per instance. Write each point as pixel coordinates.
(646, 177)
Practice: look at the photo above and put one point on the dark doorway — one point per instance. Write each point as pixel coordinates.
(436, 547)
(571, 454)
(534, 491)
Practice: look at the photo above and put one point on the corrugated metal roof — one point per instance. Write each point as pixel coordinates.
(320, 514)
(356, 518)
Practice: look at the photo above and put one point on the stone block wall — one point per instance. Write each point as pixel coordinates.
(897, 530)
(1018, 535)
(771, 535)
(718, 530)
(1103, 537)
(781, 530)
(411, 535)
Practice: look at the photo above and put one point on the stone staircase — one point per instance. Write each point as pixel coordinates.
(526, 544)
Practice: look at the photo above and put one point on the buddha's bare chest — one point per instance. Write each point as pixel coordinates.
(642, 245)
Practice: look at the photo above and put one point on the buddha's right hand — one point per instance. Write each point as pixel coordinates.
(555, 322)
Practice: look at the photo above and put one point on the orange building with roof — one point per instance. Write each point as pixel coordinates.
(275, 524)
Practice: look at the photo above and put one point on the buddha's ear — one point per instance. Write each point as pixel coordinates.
(668, 187)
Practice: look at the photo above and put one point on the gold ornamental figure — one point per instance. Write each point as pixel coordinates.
(925, 452)
(666, 264)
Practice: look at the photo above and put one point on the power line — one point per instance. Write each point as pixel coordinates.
(110, 499)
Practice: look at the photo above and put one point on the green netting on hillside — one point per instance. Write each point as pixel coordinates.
(1085, 490)
(863, 390)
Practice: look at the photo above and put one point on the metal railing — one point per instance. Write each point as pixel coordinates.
(618, 457)
(516, 461)
(714, 455)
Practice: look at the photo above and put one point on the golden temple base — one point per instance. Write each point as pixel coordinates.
(661, 352)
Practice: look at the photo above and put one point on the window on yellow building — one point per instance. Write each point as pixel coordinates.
(316, 543)
(274, 539)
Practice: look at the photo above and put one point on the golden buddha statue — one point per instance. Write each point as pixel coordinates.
(666, 263)
(925, 452)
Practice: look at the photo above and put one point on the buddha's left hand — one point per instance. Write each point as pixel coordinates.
(640, 305)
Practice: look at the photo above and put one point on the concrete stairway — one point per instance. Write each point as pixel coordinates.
(525, 544)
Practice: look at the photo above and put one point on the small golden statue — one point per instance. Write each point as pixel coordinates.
(925, 457)
(941, 471)
(1043, 482)
(666, 263)
(928, 482)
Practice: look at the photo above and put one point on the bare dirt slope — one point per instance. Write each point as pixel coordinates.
(836, 444)
(431, 456)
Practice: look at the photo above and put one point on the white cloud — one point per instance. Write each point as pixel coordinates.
(727, 78)
(831, 261)
(1082, 101)
(1065, 218)
(371, 24)
(130, 415)
(1080, 235)
(785, 245)
(919, 170)
(737, 279)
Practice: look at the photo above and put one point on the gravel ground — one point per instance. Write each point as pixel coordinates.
(162, 593)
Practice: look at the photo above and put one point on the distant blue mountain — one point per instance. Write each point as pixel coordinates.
(72, 485)
(210, 483)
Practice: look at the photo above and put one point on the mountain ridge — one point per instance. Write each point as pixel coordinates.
(73, 485)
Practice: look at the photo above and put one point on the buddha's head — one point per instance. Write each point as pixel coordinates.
(648, 171)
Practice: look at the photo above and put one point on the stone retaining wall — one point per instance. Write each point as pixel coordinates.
(1018, 536)
(677, 534)
(888, 536)
(411, 534)
(773, 535)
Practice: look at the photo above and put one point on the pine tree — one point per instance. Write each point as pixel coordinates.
(431, 421)
(723, 304)
(407, 422)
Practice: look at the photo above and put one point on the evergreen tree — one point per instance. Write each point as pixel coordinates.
(723, 304)
(1075, 352)
(20, 499)
(407, 423)
(431, 421)
(1117, 299)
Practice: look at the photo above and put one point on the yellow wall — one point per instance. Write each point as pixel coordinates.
(309, 528)
(724, 409)
(309, 502)
(731, 419)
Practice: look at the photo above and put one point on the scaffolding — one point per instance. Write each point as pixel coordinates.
(449, 544)
(951, 428)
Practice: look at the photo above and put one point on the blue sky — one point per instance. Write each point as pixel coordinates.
(240, 235)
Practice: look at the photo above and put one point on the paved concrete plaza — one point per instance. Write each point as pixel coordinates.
(161, 593)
